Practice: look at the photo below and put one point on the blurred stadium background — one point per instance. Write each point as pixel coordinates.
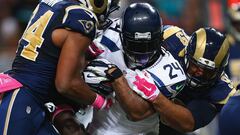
(187, 14)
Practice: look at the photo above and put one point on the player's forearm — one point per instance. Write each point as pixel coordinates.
(175, 116)
(77, 90)
(136, 107)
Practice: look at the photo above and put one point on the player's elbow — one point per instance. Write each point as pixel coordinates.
(134, 118)
(186, 127)
(62, 86)
(139, 113)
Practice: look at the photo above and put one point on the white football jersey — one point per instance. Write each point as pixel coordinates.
(166, 71)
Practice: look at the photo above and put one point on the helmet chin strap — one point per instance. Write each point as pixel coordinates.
(194, 85)
(131, 64)
(191, 83)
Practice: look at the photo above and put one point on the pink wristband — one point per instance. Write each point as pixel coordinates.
(61, 108)
(99, 102)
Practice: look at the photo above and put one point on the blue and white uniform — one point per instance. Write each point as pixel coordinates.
(114, 120)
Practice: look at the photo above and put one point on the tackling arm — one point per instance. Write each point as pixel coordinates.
(174, 115)
(202, 113)
(68, 79)
(136, 107)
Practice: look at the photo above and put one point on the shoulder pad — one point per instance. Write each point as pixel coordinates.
(115, 19)
(166, 27)
(111, 38)
(175, 41)
(170, 30)
(115, 26)
(80, 19)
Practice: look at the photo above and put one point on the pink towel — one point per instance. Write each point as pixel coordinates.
(8, 83)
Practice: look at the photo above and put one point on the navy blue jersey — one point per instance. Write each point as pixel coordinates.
(229, 120)
(175, 41)
(233, 69)
(37, 56)
(217, 95)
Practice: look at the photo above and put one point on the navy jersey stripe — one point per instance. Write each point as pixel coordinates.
(160, 85)
(109, 44)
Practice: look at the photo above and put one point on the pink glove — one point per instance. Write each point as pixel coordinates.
(142, 83)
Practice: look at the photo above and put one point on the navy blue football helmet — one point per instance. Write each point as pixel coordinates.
(206, 57)
(142, 35)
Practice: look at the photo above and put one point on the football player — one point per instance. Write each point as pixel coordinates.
(175, 40)
(136, 45)
(204, 57)
(233, 29)
(228, 118)
(47, 64)
(63, 118)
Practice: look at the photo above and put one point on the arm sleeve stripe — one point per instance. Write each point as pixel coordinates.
(170, 31)
(160, 85)
(229, 95)
(109, 44)
(182, 53)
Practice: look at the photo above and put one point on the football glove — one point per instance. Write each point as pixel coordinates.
(142, 83)
(101, 67)
(98, 84)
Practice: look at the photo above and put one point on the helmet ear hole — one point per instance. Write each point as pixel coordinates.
(98, 3)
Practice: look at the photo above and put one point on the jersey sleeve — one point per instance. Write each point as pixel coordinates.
(81, 20)
(221, 92)
(202, 111)
(111, 38)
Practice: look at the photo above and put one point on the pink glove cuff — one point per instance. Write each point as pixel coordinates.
(99, 102)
